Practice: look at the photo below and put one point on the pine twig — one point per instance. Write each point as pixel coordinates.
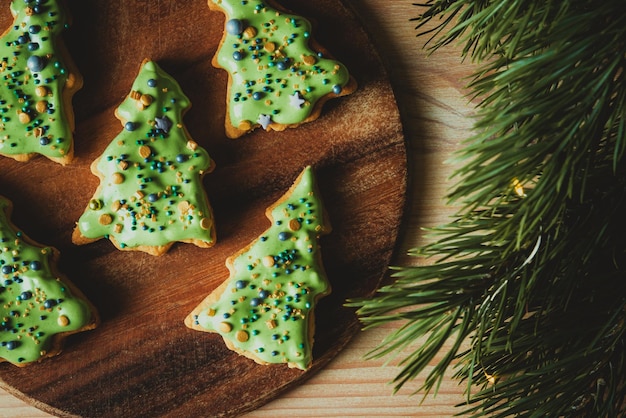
(531, 273)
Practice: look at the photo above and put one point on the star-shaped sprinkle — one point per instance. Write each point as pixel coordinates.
(164, 123)
(264, 121)
(296, 100)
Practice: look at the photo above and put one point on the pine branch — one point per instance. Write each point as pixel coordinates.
(531, 272)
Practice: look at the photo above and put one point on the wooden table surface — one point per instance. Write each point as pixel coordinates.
(436, 117)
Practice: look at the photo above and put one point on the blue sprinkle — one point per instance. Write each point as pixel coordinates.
(283, 65)
(234, 26)
(36, 63)
(50, 303)
(26, 295)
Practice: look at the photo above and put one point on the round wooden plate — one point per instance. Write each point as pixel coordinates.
(142, 360)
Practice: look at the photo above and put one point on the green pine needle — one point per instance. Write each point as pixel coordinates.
(527, 284)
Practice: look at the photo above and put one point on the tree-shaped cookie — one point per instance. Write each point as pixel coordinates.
(39, 80)
(265, 310)
(150, 193)
(279, 76)
(38, 307)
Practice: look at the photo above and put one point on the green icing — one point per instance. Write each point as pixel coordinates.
(275, 76)
(266, 308)
(35, 305)
(151, 191)
(33, 115)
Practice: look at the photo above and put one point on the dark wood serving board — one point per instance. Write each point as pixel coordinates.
(142, 360)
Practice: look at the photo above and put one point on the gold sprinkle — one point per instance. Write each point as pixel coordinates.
(225, 327)
(105, 219)
(294, 225)
(23, 117)
(115, 206)
(145, 151)
(268, 261)
(271, 324)
(41, 91)
(205, 223)
(192, 145)
(135, 95)
(242, 336)
(118, 228)
(270, 47)
(308, 59)
(63, 321)
(146, 100)
(123, 165)
(184, 206)
(250, 32)
(41, 106)
(211, 312)
(245, 125)
(118, 178)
